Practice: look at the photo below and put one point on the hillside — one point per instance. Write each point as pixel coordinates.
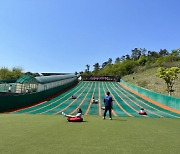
(146, 78)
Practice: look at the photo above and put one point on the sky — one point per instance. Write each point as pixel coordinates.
(66, 35)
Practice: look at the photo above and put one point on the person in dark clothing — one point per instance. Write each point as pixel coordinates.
(108, 105)
(95, 101)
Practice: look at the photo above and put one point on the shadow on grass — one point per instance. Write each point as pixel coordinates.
(77, 121)
(119, 120)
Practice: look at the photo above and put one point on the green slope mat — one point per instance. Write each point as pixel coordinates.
(125, 103)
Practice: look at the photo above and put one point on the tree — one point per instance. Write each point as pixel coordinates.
(109, 61)
(175, 53)
(96, 67)
(123, 58)
(153, 54)
(117, 60)
(87, 66)
(104, 64)
(136, 53)
(169, 75)
(143, 51)
(163, 52)
(17, 72)
(142, 60)
(81, 72)
(29, 73)
(128, 57)
(7, 74)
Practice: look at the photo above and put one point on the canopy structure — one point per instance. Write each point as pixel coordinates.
(52, 78)
(26, 84)
(26, 79)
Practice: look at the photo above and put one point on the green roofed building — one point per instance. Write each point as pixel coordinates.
(48, 82)
(26, 84)
(28, 90)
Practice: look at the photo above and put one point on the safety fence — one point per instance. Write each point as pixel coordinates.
(169, 101)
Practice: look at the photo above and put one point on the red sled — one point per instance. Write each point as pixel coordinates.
(142, 113)
(76, 119)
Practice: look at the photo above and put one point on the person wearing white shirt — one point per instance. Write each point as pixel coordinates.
(95, 101)
(142, 112)
(10, 89)
(78, 115)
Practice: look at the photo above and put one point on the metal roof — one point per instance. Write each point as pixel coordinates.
(44, 79)
(53, 78)
(26, 78)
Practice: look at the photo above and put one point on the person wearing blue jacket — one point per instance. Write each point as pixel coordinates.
(108, 105)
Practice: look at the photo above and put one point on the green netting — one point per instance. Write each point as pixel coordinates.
(172, 102)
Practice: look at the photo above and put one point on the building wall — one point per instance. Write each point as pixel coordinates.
(46, 86)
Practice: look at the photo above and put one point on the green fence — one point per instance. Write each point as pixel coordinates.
(8, 81)
(169, 101)
(18, 101)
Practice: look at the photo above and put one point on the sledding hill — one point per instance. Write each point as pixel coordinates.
(125, 103)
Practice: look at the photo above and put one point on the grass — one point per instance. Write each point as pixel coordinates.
(23, 133)
(147, 79)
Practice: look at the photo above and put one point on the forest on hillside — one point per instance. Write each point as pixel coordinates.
(138, 60)
(139, 68)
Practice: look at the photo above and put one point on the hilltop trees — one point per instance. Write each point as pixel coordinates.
(163, 52)
(140, 60)
(14, 73)
(127, 64)
(96, 68)
(136, 53)
(117, 60)
(87, 67)
(7, 74)
(87, 71)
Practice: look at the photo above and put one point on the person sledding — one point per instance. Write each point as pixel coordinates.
(73, 118)
(142, 112)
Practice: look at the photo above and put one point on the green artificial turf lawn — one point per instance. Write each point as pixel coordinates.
(21, 133)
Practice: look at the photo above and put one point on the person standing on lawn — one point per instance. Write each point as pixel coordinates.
(108, 105)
